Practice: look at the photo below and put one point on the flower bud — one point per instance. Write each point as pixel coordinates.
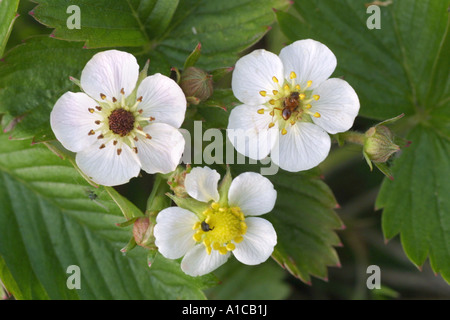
(143, 233)
(197, 85)
(379, 144)
(176, 182)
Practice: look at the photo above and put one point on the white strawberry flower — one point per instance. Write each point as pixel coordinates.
(290, 105)
(228, 223)
(121, 122)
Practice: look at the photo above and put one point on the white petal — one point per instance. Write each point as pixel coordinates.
(173, 232)
(253, 73)
(304, 147)
(71, 120)
(201, 184)
(249, 132)
(258, 242)
(338, 105)
(104, 166)
(108, 72)
(253, 193)
(310, 60)
(162, 99)
(198, 262)
(162, 153)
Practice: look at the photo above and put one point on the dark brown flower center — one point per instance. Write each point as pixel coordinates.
(121, 122)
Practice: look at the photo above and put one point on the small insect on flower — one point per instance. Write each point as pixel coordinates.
(122, 122)
(206, 227)
(93, 197)
(289, 105)
(224, 223)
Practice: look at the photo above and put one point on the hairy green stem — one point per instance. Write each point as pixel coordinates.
(350, 137)
(158, 200)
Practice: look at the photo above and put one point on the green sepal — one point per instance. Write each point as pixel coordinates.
(131, 99)
(130, 245)
(76, 82)
(369, 162)
(193, 100)
(218, 74)
(224, 187)
(129, 210)
(193, 57)
(385, 169)
(390, 121)
(177, 74)
(151, 256)
(127, 223)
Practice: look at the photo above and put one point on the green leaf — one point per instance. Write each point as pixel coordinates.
(224, 28)
(172, 29)
(49, 220)
(305, 223)
(32, 77)
(416, 202)
(400, 68)
(242, 282)
(8, 14)
(103, 23)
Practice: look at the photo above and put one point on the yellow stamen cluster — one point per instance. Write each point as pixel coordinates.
(281, 110)
(221, 228)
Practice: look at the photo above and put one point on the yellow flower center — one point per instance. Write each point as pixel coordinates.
(221, 228)
(289, 104)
